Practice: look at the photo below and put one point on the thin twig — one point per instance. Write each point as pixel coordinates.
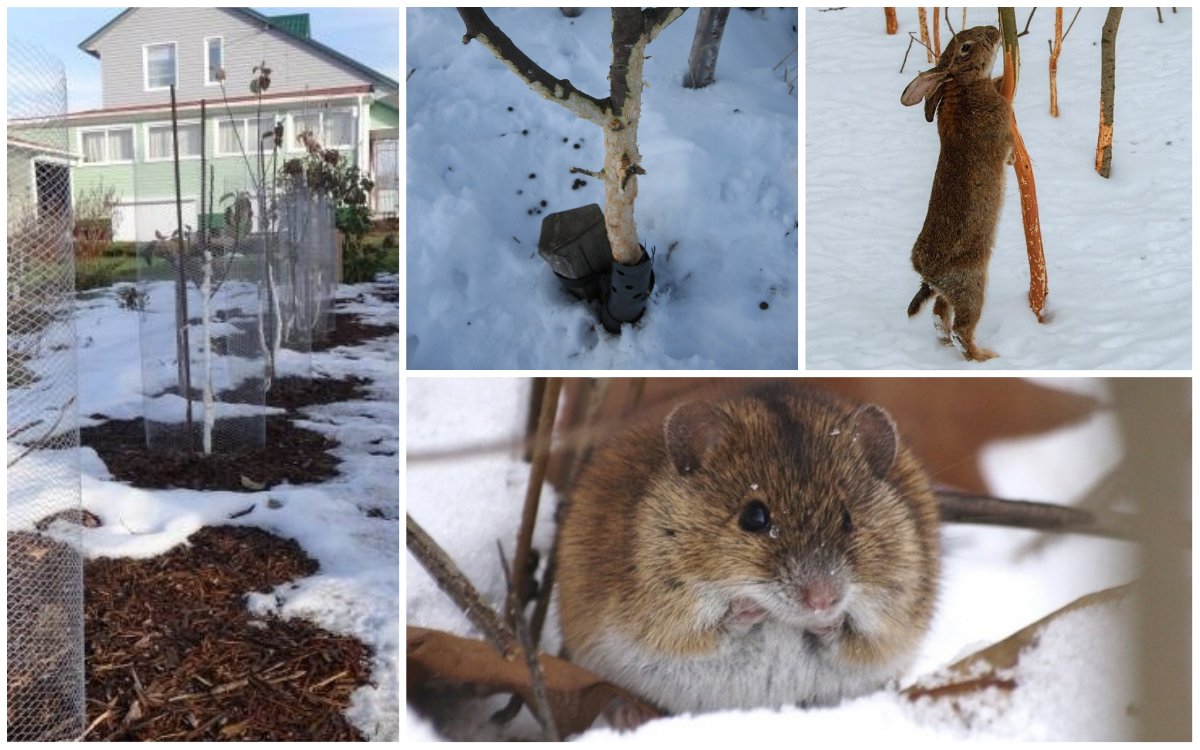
(62, 412)
(533, 491)
(946, 16)
(580, 170)
(912, 38)
(956, 506)
(1072, 23)
(1027, 21)
(517, 615)
(459, 588)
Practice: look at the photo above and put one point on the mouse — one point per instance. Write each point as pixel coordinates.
(772, 546)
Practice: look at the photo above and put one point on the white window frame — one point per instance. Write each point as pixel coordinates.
(208, 79)
(146, 141)
(146, 66)
(294, 146)
(106, 130)
(244, 121)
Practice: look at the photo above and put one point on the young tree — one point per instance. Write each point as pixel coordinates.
(1108, 88)
(617, 114)
(1024, 169)
(702, 62)
(889, 15)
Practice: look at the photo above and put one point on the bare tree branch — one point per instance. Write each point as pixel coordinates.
(560, 90)
(956, 506)
(1072, 24)
(459, 588)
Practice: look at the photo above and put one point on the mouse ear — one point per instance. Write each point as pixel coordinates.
(691, 431)
(875, 433)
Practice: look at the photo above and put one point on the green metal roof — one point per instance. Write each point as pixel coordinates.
(295, 25)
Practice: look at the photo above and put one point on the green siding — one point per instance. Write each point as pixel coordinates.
(384, 117)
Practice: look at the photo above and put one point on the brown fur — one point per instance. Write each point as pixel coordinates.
(641, 526)
(951, 254)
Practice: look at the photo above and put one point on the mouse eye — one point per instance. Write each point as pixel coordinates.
(755, 517)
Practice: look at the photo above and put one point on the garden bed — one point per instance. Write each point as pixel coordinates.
(174, 654)
(292, 454)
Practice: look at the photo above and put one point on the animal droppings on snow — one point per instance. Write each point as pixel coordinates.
(727, 186)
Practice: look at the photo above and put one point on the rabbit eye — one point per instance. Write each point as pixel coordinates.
(965, 48)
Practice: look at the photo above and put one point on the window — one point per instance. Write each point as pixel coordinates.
(159, 146)
(242, 133)
(159, 62)
(334, 129)
(107, 146)
(214, 60)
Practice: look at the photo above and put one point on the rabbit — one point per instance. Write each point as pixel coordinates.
(951, 253)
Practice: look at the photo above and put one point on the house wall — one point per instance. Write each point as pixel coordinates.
(20, 186)
(294, 67)
(144, 187)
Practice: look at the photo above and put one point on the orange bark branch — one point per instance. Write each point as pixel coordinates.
(1023, 166)
(892, 24)
(1055, 50)
(937, 35)
(925, 34)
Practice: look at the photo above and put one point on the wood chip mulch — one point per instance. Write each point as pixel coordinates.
(349, 330)
(173, 653)
(295, 393)
(292, 454)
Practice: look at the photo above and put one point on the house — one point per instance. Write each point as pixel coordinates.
(39, 184)
(210, 56)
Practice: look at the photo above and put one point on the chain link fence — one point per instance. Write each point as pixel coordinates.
(45, 564)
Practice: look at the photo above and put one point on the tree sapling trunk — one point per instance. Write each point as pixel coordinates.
(1023, 166)
(1108, 89)
(702, 62)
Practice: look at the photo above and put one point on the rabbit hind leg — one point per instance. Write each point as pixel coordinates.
(967, 305)
(941, 319)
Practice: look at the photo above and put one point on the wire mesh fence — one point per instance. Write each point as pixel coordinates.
(234, 265)
(305, 269)
(204, 375)
(45, 565)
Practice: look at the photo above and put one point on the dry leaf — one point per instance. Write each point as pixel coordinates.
(993, 666)
(576, 696)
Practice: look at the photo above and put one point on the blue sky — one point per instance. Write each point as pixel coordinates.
(369, 35)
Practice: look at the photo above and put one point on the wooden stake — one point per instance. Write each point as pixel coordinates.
(889, 15)
(181, 312)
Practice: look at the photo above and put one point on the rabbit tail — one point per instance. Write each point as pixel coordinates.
(923, 294)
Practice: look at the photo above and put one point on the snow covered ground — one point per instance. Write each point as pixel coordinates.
(356, 590)
(995, 581)
(1118, 251)
(718, 203)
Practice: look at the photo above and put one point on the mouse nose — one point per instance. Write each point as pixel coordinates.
(820, 594)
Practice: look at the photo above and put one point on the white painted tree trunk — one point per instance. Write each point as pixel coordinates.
(620, 192)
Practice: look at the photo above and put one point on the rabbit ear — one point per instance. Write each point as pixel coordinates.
(927, 86)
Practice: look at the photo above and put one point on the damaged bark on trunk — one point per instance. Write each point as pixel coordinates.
(617, 114)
